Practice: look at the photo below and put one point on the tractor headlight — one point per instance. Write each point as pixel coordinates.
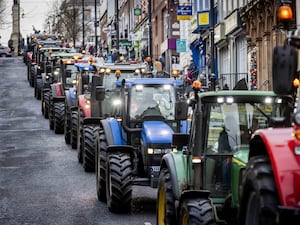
(47, 77)
(117, 102)
(297, 150)
(158, 151)
(87, 104)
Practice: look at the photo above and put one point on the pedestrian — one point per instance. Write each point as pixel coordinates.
(193, 69)
(163, 62)
(158, 68)
(203, 79)
(225, 87)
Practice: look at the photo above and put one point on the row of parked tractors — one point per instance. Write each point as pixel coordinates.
(215, 157)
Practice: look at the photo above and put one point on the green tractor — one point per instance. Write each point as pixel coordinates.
(199, 180)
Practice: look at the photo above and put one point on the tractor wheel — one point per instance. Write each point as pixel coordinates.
(51, 111)
(88, 148)
(119, 182)
(38, 88)
(59, 117)
(79, 136)
(101, 166)
(74, 124)
(67, 130)
(45, 104)
(165, 199)
(259, 198)
(196, 212)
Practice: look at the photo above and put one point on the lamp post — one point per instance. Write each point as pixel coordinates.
(212, 46)
(82, 4)
(150, 27)
(96, 26)
(117, 25)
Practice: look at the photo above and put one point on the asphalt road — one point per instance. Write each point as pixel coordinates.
(41, 181)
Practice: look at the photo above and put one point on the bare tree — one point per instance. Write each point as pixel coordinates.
(70, 14)
(3, 13)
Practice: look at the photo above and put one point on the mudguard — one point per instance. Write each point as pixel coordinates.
(70, 100)
(82, 105)
(239, 162)
(280, 146)
(156, 132)
(177, 166)
(57, 90)
(72, 92)
(113, 131)
(92, 121)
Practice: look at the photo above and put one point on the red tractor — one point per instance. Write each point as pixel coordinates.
(270, 190)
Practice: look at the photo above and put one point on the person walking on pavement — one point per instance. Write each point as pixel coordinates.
(193, 70)
(158, 68)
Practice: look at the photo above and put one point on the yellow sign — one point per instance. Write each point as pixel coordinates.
(203, 18)
(184, 17)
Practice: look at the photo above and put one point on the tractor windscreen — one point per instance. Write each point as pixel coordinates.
(70, 81)
(230, 125)
(152, 101)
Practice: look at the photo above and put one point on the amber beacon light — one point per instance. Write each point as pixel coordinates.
(285, 13)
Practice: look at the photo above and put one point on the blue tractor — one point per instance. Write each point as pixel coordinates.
(130, 146)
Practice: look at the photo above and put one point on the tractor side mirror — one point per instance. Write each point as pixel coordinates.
(284, 69)
(180, 140)
(100, 93)
(181, 110)
(85, 79)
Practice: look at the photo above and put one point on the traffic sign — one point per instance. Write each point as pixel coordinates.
(180, 45)
(184, 12)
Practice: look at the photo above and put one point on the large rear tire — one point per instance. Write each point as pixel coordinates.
(88, 148)
(101, 166)
(119, 182)
(165, 199)
(196, 212)
(259, 198)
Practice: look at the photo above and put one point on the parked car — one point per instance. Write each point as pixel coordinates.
(5, 51)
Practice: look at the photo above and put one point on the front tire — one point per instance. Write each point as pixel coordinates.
(67, 129)
(259, 198)
(74, 124)
(101, 166)
(59, 117)
(79, 136)
(196, 212)
(119, 182)
(165, 199)
(88, 147)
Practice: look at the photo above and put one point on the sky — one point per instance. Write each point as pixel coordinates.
(35, 13)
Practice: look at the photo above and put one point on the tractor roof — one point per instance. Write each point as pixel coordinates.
(240, 95)
(150, 81)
